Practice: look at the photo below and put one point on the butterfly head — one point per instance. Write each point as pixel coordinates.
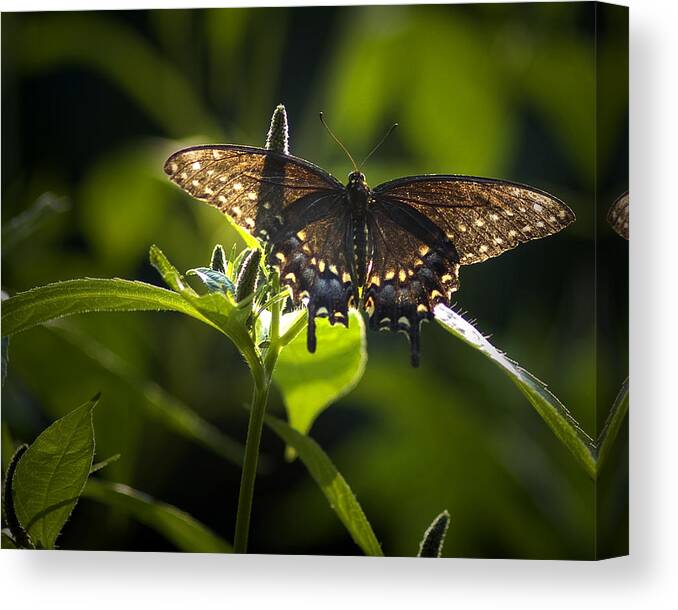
(356, 178)
(358, 191)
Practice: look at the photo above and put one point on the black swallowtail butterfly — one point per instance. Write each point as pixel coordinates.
(393, 250)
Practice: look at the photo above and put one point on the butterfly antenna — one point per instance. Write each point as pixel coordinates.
(376, 148)
(338, 141)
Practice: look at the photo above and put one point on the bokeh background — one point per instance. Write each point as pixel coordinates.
(92, 103)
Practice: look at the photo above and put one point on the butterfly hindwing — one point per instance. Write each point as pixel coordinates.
(314, 263)
(482, 217)
(415, 266)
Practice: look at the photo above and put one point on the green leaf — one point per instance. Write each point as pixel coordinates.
(214, 280)
(309, 383)
(18, 533)
(613, 423)
(332, 484)
(552, 411)
(52, 473)
(39, 305)
(434, 537)
(178, 527)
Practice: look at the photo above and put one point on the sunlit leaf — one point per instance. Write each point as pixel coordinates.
(178, 527)
(39, 305)
(51, 475)
(554, 413)
(309, 383)
(333, 485)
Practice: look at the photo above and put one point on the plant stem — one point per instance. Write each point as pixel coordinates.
(262, 383)
(249, 470)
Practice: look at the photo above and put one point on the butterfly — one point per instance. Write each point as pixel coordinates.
(618, 215)
(393, 250)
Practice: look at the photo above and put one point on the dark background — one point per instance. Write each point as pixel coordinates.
(92, 103)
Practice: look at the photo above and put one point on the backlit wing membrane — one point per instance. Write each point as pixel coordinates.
(253, 186)
(482, 217)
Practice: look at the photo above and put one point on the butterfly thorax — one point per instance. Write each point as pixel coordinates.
(358, 197)
(358, 193)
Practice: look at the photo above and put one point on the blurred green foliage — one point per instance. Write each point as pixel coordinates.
(93, 103)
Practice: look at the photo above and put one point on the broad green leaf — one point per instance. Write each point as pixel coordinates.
(178, 527)
(158, 404)
(332, 484)
(613, 423)
(52, 473)
(434, 537)
(309, 383)
(552, 411)
(39, 305)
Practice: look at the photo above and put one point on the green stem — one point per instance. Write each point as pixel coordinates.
(262, 382)
(249, 470)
